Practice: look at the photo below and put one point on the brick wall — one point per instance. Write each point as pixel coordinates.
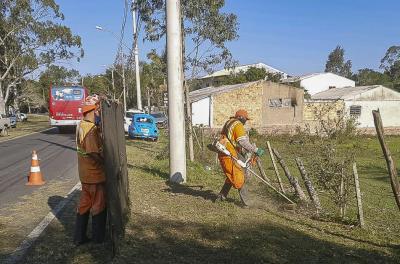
(249, 98)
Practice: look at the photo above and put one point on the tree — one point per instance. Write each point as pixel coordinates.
(252, 74)
(206, 31)
(336, 63)
(154, 75)
(31, 36)
(56, 75)
(391, 64)
(370, 77)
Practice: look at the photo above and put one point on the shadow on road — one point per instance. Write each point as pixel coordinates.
(58, 144)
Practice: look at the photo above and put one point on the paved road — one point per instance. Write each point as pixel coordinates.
(57, 162)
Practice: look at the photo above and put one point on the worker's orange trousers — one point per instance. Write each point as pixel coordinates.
(233, 172)
(92, 198)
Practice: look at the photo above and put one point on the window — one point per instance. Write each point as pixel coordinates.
(355, 110)
(280, 102)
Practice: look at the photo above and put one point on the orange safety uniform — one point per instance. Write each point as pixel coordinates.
(232, 132)
(91, 171)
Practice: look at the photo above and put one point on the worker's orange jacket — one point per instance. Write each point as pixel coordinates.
(91, 171)
(232, 132)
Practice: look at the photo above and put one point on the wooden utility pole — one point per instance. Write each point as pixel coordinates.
(309, 186)
(358, 196)
(394, 180)
(293, 181)
(275, 167)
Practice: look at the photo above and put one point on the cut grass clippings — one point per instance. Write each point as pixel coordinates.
(181, 224)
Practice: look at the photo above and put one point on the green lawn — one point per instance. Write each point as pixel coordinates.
(35, 123)
(181, 224)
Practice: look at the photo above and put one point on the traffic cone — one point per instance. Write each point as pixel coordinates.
(35, 177)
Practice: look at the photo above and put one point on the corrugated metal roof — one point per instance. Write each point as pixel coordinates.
(225, 72)
(208, 91)
(302, 77)
(342, 93)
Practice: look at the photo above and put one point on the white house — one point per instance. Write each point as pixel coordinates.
(318, 82)
(214, 78)
(361, 100)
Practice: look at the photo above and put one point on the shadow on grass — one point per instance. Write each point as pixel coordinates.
(192, 190)
(155, 240)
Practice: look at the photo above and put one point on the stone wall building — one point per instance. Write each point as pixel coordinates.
(357, 103)
(270, 105)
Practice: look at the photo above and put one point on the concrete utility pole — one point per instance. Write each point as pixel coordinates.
(176, 110)
(136, 53)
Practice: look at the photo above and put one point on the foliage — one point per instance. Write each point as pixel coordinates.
(252, 74)
(370, 77)
(336, 63)
(330, 149)
(391, 64)
(205, 28)
(31, 36)
(154, 74)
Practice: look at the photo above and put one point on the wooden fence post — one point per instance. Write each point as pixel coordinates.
(262, 171)
(358, 196)
(309, 186)
(275, 167)
(394, 181)
(293, 181)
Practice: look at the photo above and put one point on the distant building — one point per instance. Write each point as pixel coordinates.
(270, 105)
(318, 82)
(357, 102)
(215, 78)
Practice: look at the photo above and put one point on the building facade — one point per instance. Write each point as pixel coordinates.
(358, 103)
(268, 104)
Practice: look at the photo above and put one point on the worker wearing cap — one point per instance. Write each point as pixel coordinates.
(235, 139)
(91, 174)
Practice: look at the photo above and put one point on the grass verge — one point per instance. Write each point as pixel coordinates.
(181, 224)
(35, 123)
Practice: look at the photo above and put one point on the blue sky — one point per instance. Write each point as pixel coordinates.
(295, 36)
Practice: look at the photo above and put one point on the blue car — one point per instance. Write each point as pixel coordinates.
(143, 126)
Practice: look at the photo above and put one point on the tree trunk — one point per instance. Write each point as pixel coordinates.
(309, 186)
(293, 181)
(189, 121)
(394, 180)
(2, 102)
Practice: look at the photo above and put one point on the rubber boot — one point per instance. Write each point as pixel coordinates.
(244, 197)
(80, 229)
(99, 226)
(224, 192)
(243, 192)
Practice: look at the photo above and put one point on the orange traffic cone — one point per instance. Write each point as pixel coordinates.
(35, 177)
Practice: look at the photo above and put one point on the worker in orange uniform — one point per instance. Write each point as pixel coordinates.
(235, 139)
(91, 174)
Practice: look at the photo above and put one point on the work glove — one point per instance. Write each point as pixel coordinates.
(260, 152)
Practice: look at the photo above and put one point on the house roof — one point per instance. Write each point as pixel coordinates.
(208, 91)
(306, 76)
(225, 72)
(342, 93)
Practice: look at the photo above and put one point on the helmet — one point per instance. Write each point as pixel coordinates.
(241, 113)
(90, 103)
